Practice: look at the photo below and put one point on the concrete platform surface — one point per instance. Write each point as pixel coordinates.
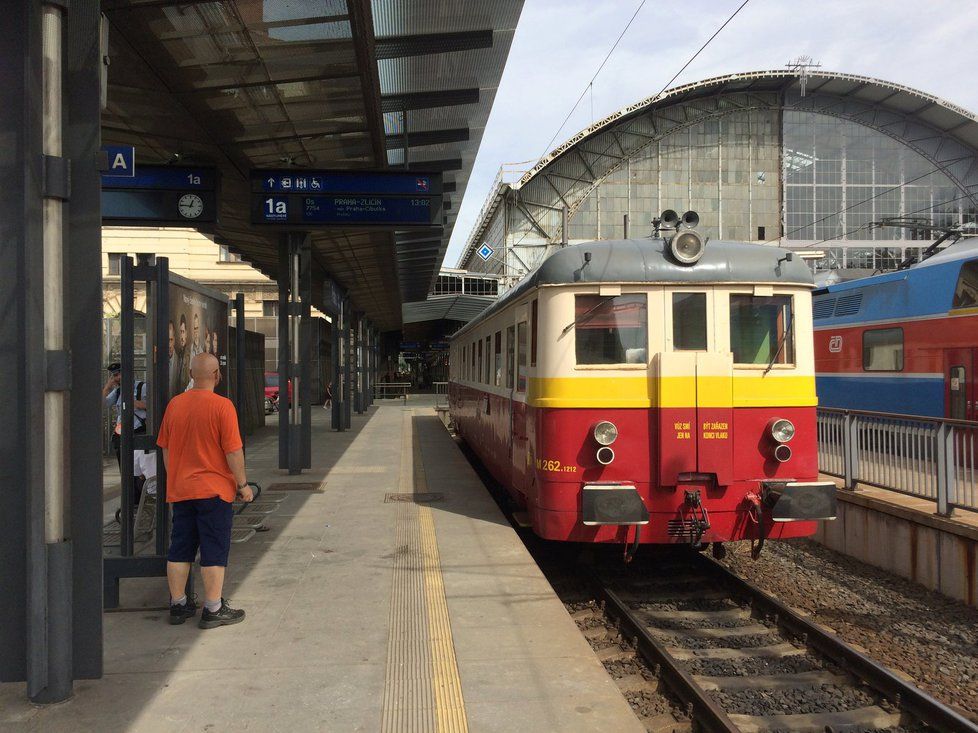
(365, 612)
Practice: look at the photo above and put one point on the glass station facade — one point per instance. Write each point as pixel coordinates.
(754, 175)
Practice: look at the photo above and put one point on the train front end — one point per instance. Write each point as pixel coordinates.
(680, 410)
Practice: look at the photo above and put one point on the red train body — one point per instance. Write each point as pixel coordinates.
(692, 457)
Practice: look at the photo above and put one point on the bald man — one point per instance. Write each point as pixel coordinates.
(205, 470)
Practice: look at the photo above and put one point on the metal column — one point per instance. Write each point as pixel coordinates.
(51, 543)
(240, 360)
(358, 363)
(347, 366)
(336, 368)
(294, 330)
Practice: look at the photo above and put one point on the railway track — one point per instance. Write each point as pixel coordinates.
(740, 660)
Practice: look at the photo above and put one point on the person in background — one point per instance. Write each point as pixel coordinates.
(207, 340)
(112, 397)
(195, 345)
(174, 374)
(183, 348)
(214, 342)
(329, 396)
(205, 468)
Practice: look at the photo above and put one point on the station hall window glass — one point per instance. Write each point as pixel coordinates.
(966, 291)
(883, 350)
(115, 263)
(510, 355)
(521, 357)
(761, 329)
(689, 321)
(498, 370)
(269, 308)
(611, 329)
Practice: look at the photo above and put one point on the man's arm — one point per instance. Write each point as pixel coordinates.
(166, 459)
(236, 463)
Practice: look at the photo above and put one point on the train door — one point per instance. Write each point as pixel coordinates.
(961, 397)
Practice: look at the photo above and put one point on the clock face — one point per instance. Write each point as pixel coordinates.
(190, 206)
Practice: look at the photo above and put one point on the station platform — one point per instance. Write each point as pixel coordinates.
(389, 594)
(904, 535)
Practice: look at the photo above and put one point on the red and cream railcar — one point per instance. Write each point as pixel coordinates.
(655, 391)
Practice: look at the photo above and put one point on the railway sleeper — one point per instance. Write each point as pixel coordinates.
(774, 651)
(731, 632)
(772, 682)
(871, 717)
(732, 614)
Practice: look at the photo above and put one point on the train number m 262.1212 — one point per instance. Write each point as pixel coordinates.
(650, 391)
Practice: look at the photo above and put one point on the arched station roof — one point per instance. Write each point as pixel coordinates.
(943, 133)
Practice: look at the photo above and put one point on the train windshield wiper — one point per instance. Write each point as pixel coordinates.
(585, 314)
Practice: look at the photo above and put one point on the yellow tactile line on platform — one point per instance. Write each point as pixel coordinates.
(448, 686)
(422, 691)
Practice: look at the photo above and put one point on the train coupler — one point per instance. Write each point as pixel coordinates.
(700, 519)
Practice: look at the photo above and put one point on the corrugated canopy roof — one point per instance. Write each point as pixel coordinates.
(246, 84)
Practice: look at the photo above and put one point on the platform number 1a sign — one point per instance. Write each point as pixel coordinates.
(275, 208)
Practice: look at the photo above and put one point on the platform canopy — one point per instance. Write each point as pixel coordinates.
(345, 84)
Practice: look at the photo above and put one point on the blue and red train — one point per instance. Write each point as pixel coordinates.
(903, 342)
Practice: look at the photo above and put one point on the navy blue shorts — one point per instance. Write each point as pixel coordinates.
(203, 524)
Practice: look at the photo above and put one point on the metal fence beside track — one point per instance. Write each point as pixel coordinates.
(391, 390)
(441, 393)
(933, 458)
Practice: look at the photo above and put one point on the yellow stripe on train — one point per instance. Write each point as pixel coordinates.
(769, 390)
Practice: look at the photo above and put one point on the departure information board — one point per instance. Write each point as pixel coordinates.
(314, 198)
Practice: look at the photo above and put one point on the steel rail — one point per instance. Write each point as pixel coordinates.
(906, 695)
(709, 716)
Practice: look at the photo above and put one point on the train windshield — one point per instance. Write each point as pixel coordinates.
(611, 329)
(966, 292)
(760, 329)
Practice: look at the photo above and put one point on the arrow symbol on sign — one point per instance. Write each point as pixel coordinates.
(271, 183)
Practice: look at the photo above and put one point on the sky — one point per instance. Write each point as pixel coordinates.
(559, 45)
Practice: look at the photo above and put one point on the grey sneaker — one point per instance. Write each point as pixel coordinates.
(224, 616)
(180, 613)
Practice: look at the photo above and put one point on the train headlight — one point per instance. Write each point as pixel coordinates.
(605, 433)
(782, 453)
(687, 246)
(782, 430)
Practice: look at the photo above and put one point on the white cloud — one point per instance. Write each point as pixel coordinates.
(560, 43)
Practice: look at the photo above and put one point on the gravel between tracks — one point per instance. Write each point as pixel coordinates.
(904, 626)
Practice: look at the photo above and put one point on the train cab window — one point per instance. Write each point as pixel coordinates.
(521, 357)
(966, 291)
(883, 350)
(480, 360)
(510, 356)
(498, 364)
(611, 329)
(761, 329)
(689, 321)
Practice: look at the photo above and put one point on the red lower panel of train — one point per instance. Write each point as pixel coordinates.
(545, 457)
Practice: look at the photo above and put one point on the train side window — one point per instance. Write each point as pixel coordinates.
(465, 356)
(761, 329)
(689, 321)
(480, 361)
(472, 362)
(488, 374)
(966, 291)
(611, 329)
(883, 350)
(521, 356)
(510, 355)
(533, 333)
(498, 364)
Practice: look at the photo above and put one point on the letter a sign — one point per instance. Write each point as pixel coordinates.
(120, 161)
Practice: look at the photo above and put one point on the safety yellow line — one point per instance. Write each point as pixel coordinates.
(449, 705)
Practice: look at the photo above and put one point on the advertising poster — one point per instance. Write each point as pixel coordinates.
(198, 322)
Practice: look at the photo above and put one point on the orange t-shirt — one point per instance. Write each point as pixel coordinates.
(199, 428)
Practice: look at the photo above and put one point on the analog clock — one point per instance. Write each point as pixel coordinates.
(190, 206)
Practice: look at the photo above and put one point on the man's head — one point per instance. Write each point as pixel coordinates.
(115, 372)
(171, 335)
(183, 332)
(205, 370)
(197, 329)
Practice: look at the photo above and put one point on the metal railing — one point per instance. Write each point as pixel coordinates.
(933, 458)
(441, 393)
(391, 390)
